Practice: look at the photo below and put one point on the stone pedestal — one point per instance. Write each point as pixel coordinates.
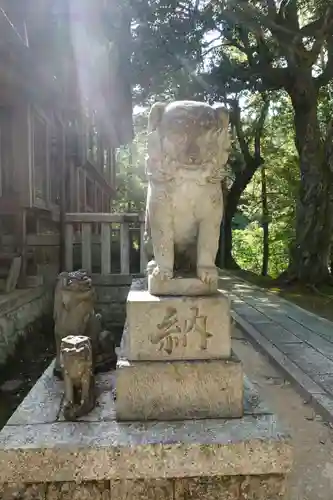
(170, 328)
(176, 365)
(180, 428)
(177, 390)
(176, 359)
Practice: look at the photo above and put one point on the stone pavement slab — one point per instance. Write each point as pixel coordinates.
(298, 341)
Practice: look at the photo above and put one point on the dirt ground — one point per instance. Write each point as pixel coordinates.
(312, 476)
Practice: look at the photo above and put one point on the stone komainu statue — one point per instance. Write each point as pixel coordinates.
(76, 360)
(74, 314)
(188, 147)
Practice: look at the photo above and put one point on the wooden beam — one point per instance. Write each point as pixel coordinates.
(34, 240)
(102, 217)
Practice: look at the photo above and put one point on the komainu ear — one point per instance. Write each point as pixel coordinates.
(222, 117)
(155, 115)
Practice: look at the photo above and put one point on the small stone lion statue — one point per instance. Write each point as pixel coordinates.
(76, 359)
(74, 314)
(188, 148)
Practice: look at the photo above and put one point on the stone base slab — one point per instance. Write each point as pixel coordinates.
(268, 487)
(90, 451)
(37, 446)
(176, 390)
(180, 286)
(173, 328)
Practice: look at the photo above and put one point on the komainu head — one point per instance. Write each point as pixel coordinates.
(187, 136)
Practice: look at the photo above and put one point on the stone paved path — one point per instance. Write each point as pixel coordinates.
(300, 342)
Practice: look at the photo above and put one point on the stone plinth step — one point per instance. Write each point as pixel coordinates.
(92, 451)
(173, 328)
(39, 452)
(180, 286)
(176, 390)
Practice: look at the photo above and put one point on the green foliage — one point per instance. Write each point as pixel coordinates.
(282, 174)
(241, 51)
(248, 249)
(131, 178)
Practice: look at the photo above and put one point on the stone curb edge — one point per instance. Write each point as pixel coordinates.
(305, 386)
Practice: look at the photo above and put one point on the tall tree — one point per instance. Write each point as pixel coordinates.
(290, 46)
(266, 45)
(264, 222)
(243, 171)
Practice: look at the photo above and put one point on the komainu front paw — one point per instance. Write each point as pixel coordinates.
(70, 411)
(162, 274)
(207, 275)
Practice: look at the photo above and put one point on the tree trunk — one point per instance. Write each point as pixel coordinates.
(265, 222)
(226, 229)
(232, 197)
(329, 159)
(310, 254)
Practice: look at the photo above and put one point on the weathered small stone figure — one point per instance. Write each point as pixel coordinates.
(188, 147)
(74, 314)
(76, 359)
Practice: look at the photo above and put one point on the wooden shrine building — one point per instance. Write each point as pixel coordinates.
(65, 105)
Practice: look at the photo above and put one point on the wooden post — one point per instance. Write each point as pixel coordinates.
(78, 190)
(63, 233)
(112, 167)
(106, 248)
(48, 167)
(143, 257)
(69, 239)
(23, 247)
(96, 226)
(84, 194)
(86, 247)
(72, 188)
(124, 248)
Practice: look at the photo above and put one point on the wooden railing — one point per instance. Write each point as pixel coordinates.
(104, 238)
